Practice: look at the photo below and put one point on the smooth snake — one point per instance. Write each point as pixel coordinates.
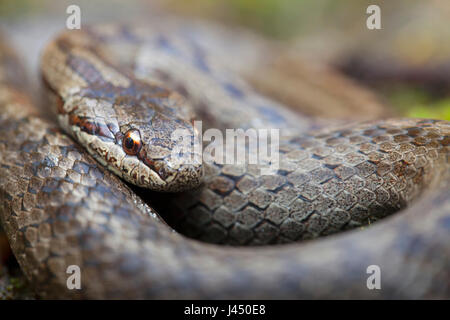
(114, 90)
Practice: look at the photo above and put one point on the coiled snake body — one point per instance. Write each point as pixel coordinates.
(109, 88)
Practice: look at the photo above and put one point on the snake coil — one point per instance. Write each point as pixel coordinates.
(114, 91)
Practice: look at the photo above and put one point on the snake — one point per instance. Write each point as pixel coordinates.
(104, 190)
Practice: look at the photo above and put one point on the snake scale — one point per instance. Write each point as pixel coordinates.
(119, 92)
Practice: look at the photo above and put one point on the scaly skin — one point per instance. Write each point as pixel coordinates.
(59, 207)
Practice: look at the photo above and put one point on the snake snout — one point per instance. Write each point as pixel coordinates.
(170, 161)
(172, 174)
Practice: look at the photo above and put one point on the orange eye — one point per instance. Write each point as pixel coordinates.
(131, 142)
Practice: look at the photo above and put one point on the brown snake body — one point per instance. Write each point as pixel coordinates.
(60, 208)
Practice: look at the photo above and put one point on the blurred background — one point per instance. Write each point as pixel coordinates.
(407, 62)
(402, 69)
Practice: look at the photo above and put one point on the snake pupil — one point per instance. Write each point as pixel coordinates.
(129, 143)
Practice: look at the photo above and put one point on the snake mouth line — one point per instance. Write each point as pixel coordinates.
(153, 165)
(146, 173)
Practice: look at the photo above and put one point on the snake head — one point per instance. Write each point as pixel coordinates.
(157, 149)
(150, 143)
(166, 154)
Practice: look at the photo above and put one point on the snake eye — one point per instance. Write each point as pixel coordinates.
(131, 142)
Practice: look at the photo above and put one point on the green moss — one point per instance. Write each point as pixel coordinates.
(438, 110)
(16, 282)
(418, 103)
